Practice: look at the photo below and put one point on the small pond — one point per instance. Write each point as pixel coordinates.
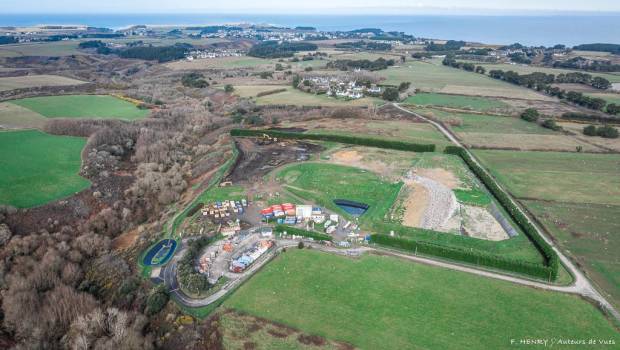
(353, 208)
(160, 253)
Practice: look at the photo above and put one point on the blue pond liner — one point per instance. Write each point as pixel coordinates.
(162, 252)
(351, 207)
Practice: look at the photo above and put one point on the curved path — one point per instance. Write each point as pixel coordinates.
(581, 284)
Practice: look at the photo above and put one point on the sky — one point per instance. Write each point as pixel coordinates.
(311, 7)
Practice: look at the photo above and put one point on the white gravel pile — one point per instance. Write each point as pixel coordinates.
(441, 204)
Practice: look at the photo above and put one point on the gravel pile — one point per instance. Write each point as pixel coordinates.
(441, 205)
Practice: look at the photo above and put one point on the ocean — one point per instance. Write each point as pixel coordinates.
(545, 30)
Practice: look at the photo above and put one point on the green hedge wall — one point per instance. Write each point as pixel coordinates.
(352, 140)
(517, 215)
(465, 255)
(299, 232)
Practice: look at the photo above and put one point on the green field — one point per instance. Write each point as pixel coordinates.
(222, 63)
(323, 183)
(218, 193)
(484, 123)
(489, 131)
(433, 76)
(13, 116)
(83, 106)
(610, 98)
(557, 176)
(473, 197)
(55, 48)
(379, 302)
(423, 133)
(455, 101)
(29, 81)
(38, 168)
(576, 196)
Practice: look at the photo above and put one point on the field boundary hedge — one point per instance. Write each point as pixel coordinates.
(351, 140)
(466, 255)
(552, 260)
(299, 232)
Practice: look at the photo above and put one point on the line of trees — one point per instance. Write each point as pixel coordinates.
(542, 82)
(587, 64)
(155, 53)
(273, 49)
(364, 45)
(378, 64)
(611, 48)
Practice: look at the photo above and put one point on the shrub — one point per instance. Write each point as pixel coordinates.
(404, 86)
(390, 94)
(530, 115)
(228, 88)
(607, 132)
(156, 300)
(590, 130)
(551, 124)
(194, 80)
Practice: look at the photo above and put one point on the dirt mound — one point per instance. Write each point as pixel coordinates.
(415, 204)
(440, 175)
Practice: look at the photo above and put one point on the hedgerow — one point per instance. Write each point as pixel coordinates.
(299, 232)
(464, 255)
(352, 140)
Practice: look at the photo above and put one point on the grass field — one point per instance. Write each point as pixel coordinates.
(299, 98)
(399, 129)
(384, 303)
(222, 63)
(610, 98)
(28, 81)
(455, 101)
(576, 197)
(55, 48)
(38, 168)
(485, 123)
(83, 106)
(433, 76)
(315, 181)
(590, 233)
(217, 193)
(488, 131)
(13, 116)
(557, 176)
